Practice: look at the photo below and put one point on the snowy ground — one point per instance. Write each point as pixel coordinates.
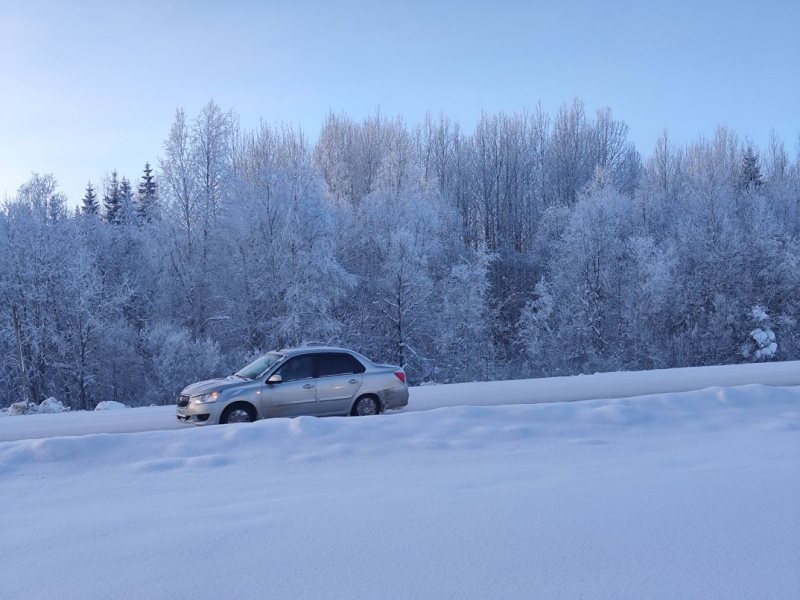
(676, 495)
(525, 391)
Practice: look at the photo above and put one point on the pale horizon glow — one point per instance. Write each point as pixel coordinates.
(94, 87)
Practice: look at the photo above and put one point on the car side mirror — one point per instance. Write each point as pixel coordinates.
(275, 378)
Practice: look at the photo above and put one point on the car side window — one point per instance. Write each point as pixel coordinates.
(338, 364)
(299, 367)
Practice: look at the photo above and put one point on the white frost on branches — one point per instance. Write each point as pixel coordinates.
(763, 336)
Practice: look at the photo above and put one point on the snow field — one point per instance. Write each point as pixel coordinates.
(691, 495)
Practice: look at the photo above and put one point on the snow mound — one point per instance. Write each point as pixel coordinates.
(50, 405)
(20, 408)
(109, 405)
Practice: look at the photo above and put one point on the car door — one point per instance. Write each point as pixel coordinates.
(296, 393)
(339, 377)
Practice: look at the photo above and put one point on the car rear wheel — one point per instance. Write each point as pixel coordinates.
(366, 405)
(238, 413)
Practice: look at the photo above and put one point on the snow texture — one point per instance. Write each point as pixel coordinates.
(48, 405)
(767, 347)
(759, 314)
(109, 405)
(675, 495)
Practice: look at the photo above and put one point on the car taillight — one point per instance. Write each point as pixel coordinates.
(400, 375)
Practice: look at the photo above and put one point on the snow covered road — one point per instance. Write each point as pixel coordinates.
(525, 391)
(603, 385)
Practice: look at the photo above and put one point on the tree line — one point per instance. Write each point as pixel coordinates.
(534, 245)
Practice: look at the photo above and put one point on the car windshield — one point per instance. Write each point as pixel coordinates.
(258, 366)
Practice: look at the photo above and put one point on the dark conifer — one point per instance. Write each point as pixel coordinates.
(147, 195)
(90, 204)
(751, 171)
(126, 210)
(112, 200)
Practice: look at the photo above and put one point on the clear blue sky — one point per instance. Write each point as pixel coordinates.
(86, 87)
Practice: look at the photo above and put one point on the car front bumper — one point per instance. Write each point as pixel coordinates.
(199, 414)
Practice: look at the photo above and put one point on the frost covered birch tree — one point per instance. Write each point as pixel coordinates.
(287, 277)
(196, 176)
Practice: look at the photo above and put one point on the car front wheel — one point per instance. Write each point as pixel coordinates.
(237, 413)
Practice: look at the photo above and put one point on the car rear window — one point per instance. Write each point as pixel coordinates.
(338, 364)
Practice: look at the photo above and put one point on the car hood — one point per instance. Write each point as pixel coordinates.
(211, 385)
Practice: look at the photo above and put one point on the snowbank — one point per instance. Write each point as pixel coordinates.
(109, 405)
(693, 495)
(49, 405)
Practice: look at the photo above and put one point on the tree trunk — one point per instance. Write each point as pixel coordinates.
(22, 372)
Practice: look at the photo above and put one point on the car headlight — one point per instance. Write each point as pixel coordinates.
(206, 398)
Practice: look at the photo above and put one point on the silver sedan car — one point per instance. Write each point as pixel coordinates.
(293, 382)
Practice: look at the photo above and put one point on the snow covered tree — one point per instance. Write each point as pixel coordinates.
(580, 309)
(391, 240)
(36, 264)
(349, 155)
(397, 240)
(462, 331)
(503, 174)
(288, 279)
(750, 178)
(196, 172)
(662, 184)
(648, 309)
(614, 153)
(112, 200)
(176, 359)
(87, 317)
(761, 344)
(538, 332)
(126, 211)
(41, 197)
(90, 206)
(570, 159)
(335, 158)
(147, 195)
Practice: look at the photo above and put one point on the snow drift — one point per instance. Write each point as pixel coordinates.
(691, 495)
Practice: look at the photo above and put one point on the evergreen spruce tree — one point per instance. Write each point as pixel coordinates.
(112, 200)
(126, 209)
(147, 195)
(90, 204)
(751, 171)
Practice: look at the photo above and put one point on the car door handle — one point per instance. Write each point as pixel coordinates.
(308, 386)
(353, 381)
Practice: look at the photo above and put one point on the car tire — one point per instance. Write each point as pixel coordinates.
(238, 413)
(366, 405)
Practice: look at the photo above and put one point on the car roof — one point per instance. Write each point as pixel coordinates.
(313, 349)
